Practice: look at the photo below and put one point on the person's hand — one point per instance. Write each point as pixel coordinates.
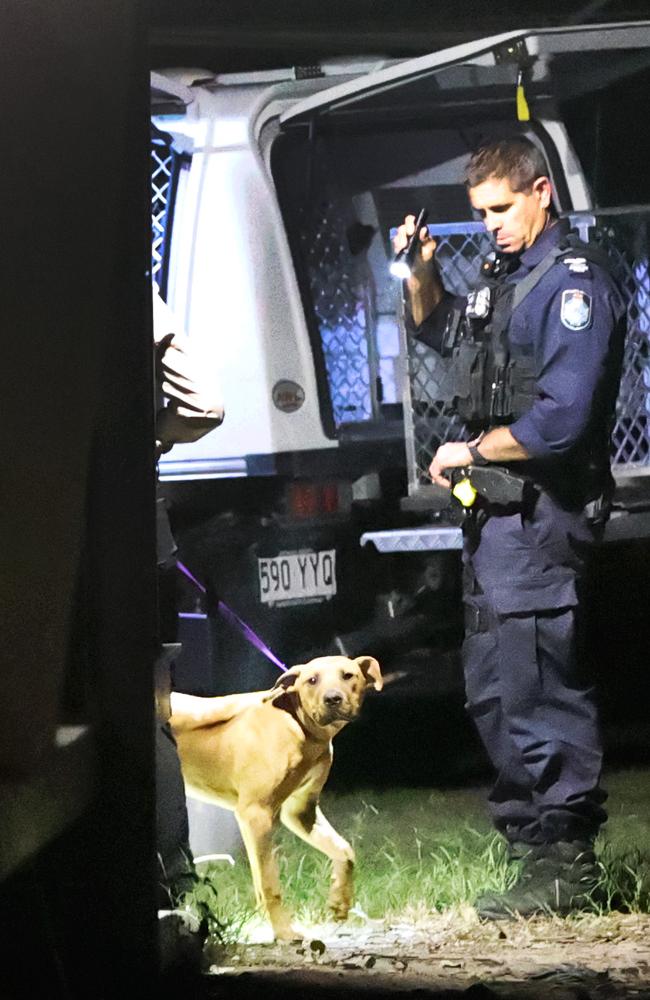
(427, 245)
(452, 455)
(425, 288)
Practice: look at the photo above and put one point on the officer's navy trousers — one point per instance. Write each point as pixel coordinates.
(524, 676)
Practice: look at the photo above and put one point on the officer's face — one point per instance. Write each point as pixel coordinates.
(515, 218)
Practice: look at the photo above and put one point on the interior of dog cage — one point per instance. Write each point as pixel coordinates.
(339, 199)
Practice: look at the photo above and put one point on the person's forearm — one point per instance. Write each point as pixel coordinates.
(424, 294)
(499, 445)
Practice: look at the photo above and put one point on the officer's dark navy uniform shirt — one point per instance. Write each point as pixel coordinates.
(574, 321)
(576, 353)
(573, 324)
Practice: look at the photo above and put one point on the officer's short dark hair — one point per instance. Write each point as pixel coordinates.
(516, 158)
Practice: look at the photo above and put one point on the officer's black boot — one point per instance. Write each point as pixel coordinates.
(555, 879)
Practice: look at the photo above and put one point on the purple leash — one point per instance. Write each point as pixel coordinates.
(235, 620)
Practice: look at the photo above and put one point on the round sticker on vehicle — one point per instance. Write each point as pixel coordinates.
(288, 396)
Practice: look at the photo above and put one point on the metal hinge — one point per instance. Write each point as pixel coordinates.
(307, 72)
(514, 51)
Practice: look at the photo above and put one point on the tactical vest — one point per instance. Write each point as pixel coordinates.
(491, 380)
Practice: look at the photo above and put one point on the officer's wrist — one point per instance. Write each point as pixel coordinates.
(476, 456)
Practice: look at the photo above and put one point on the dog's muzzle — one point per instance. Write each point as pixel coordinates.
(336, 708)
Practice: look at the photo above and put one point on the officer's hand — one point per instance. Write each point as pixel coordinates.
(427, 246)
(452, 455)
(424, 287)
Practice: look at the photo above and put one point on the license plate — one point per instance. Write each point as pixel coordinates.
(297, 576)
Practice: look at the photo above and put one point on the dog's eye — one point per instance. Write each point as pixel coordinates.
(313, 680)
(347, 676)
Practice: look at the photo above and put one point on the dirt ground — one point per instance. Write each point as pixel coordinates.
(448, 954)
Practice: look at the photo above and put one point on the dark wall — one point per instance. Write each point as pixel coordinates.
(611, 140)
(76, 531)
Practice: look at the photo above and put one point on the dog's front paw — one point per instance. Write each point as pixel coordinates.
(339, 908)
(287, 932)
(341, 891)
(283, 927)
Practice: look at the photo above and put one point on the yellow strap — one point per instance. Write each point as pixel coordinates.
(523, 111)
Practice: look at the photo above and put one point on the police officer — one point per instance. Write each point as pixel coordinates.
(537, 351)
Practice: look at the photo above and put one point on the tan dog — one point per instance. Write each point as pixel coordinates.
(267, 755)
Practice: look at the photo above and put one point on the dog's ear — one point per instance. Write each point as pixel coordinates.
(285, 684)
(371, 671)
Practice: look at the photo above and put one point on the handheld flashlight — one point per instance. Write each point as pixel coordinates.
(403, 260)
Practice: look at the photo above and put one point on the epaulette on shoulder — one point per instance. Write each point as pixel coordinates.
(577, 255)
(577, 265)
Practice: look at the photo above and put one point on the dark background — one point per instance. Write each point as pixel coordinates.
(230, 35)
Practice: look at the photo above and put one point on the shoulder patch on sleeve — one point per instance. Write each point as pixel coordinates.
(577, 265)
(575, 310)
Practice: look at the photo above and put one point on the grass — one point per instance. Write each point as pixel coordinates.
(420, 851)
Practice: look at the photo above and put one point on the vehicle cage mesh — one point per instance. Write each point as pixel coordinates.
(165, 164)
(461, 248)
(625, 237)
(342, 293)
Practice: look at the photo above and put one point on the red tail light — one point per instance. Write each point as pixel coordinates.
(329, 498)
(311, 499)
